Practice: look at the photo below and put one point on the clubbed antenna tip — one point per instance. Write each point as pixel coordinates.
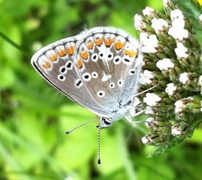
(99, 162)
(79, 126)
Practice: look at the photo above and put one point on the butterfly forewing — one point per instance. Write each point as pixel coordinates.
(55, 63)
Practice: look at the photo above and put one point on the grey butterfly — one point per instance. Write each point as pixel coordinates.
(98, 69)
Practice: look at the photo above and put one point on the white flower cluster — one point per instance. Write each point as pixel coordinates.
(172, 63)
(175, 29)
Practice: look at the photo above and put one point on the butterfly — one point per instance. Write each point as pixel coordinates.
(98, 69)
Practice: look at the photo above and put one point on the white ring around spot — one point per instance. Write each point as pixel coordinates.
(120, 82)
(112, 85)
(101, 94)
(61, 77)
(117, 60)
(94, 74)
(86, 76)
(94, 57)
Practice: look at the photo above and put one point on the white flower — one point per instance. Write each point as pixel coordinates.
(170, 89)
(151, 99)
(176, 131)
(176, 14)
(177, 30)
(149, 43)
(165, 64)
(148, 121)
(146, 77)
(181, 51)
(143, 36)
(148, 11)
(139, 22)
(146, 140)
(184, 78)
(148, 110)
(177, 33)
(178, 24)
(159, 24)
(179, 106)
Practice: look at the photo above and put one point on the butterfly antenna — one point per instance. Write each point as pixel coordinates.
(99, 159)
(79, 126)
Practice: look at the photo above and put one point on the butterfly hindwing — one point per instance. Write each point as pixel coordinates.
(107, 62)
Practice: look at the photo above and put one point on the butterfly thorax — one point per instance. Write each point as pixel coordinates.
(106, 122)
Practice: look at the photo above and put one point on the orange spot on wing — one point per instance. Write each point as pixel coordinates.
(53, 57)
(98, 42)
(71, 50)
(84, 55)
(108, 42)
(131, 53)
(62, 52)
(90, 45)
(80, 64)
(119, 45)
(47, 65)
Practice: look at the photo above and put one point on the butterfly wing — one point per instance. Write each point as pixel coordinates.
(97, 69)
(55, 63)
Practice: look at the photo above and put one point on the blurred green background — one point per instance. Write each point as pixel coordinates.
(34, 116)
